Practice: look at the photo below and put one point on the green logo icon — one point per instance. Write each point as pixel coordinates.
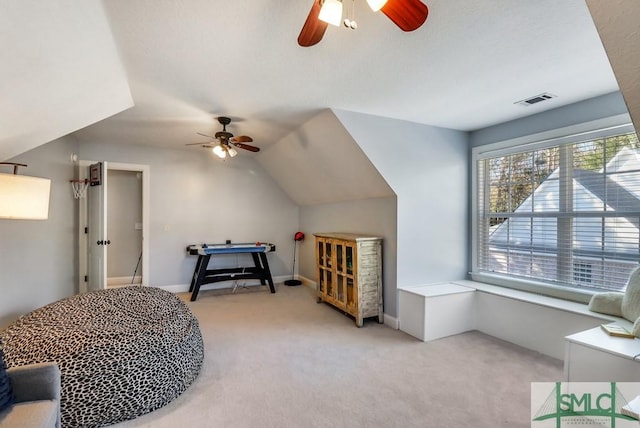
(580, 404)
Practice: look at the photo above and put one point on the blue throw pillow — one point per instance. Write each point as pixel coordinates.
(6, 392)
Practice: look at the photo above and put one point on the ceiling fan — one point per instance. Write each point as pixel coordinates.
(409, 15)
(224, 142)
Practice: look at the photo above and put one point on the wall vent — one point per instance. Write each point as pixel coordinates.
(535, 99)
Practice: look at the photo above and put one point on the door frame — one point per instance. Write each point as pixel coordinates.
(83, 248)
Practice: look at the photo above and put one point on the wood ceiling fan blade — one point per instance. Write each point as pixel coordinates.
(409, 15)
(247, 147)
(313, 29)
(241, 139)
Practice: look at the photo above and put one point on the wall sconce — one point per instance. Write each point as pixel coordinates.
(23, 197)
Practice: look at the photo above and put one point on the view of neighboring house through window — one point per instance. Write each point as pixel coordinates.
(565, 214)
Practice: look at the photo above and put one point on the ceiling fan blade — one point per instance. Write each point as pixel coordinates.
(204, 135)
(313, 29)
(246, 147)
(241, 139)
(198, 144)
(409, 15)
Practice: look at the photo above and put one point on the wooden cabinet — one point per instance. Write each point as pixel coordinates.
(349, 274)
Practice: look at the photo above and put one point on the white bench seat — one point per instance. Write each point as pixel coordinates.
(533, 321)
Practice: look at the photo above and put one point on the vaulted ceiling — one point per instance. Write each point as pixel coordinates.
(67, 66)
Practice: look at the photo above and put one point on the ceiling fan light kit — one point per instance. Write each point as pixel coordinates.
(222, 151)
(408, 15)
(224, 143)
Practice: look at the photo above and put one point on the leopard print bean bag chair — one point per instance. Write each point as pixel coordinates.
(122, 352)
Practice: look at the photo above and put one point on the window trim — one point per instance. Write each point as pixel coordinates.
(570, 134)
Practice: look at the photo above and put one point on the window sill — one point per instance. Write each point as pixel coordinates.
(537, 288)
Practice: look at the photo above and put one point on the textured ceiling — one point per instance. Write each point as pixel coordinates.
(188, 61)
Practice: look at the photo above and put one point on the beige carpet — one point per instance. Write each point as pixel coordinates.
(282, 360)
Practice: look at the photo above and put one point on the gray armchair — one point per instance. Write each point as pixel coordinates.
(36, 388)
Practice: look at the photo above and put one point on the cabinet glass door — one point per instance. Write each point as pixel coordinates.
(341, 280)
(321, 253)
(349, 256)
(321, 281)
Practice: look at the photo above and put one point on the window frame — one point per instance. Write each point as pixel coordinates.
(595, 129)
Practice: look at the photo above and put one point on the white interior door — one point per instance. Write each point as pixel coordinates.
(92, 227)
(97, 239)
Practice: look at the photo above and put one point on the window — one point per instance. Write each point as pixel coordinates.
(561, 213)
(582, 272)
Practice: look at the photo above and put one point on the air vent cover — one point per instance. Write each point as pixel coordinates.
(535, 99)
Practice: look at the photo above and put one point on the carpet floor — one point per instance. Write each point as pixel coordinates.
(282, 360)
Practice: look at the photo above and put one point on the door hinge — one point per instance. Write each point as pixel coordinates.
(86, 278)
(86, 230)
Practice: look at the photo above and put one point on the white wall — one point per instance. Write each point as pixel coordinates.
(38, 258)
(375, 217)
(427, 168)
(196, 198)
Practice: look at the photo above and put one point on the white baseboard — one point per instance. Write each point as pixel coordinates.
(392, 322)
(306, 281)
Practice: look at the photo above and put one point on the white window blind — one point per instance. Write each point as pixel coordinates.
(565, 214)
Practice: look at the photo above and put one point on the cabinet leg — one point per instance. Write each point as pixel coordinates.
(358, 322)
(319, 300)
(380, 319)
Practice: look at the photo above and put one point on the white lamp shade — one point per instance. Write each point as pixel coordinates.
(331, 12)
(24, 197)
(232, 151)
(376, 5)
